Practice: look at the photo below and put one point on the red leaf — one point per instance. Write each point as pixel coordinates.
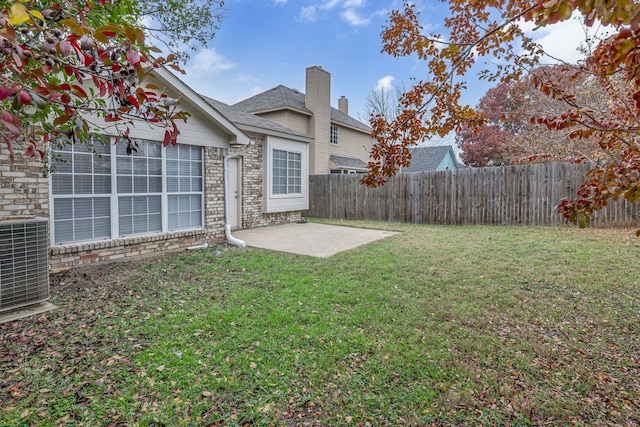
(133, 57)
(80, 92)
(25, 98)
(6, 91)
(64, 47)
(61, 119)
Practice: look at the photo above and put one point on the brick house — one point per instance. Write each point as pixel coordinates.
(339, 142)
(114, 206)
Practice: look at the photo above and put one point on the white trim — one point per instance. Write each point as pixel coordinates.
(114, 198)
(285, 202)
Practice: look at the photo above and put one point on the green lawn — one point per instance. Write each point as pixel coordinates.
(435, 326)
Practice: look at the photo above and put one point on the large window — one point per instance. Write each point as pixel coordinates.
(287, 172)
(101, 192)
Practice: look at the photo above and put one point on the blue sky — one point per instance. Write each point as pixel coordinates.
(265, 43)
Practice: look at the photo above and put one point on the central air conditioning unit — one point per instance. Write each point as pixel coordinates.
(24, 262)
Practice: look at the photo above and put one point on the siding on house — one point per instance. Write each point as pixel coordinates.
(311, 114)
(291, 119)
(351, 143)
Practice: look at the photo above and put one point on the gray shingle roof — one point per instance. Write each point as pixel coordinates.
(426, 159)
(239, 118)
(344, 162)
(283, 97)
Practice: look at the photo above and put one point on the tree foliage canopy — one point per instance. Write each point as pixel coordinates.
(509, 136)
(73, 67)
(180, 25)
(479, 29)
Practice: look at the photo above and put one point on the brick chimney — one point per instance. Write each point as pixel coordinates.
(318, 101)
(343, 104)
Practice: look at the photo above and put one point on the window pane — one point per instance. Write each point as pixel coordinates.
(101, 207)
(125, 205)
(155, 167)
(155, 204)
(63, 232)
(155, 222)
(172, 151)
(196, 184)
(125, 184)
(62, 184)
(139, 205)
(83, 229)
(140, 166)
(62, 162)
(83, 184)
(63, 209)
(82, 163)
(173, 184)
(140, 184)
(124, 165)
(140, 224)
(102, 164)
(155, 184)
(102, 184)
(102, 226)
(126, 225)
(83, 208)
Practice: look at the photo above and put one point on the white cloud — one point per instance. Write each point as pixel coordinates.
(560, 40)
(351, 11)
(353, 3)
(209, 61)
(384, 84)
(352, 17)
(308, 14)
(329, 4)
(280, 1)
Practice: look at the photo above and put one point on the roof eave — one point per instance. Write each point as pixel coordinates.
(368, 132)
(273, 110)
(257, 129)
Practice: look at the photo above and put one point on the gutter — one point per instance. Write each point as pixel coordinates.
(227, 226)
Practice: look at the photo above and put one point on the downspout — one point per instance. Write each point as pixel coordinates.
(227, 226)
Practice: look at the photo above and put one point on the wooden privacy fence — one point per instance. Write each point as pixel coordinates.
(512, 195)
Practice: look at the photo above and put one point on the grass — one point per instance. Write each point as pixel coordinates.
(435, 326)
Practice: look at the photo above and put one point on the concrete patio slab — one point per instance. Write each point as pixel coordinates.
(318, 240)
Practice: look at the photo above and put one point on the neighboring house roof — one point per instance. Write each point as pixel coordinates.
(282, 97)
(251, 123)
(348, 163)
(426, 159)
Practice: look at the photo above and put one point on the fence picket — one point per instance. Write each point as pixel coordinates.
(513, 195)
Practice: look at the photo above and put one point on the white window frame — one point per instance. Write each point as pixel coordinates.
(289, 188)
(291, 201)
(114, 199)
(334, 134)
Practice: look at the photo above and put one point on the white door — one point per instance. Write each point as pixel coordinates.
(235, 192)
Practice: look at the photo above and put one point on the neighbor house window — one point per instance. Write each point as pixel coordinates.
(287, 172)
(113, 194)
(334, 135)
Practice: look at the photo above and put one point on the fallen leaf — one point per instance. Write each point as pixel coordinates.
(160, 368)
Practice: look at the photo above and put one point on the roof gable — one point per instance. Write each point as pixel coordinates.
(282, 98)
(236, 136)
(251, 122)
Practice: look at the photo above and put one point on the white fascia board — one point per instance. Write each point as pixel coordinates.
(236, 136)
